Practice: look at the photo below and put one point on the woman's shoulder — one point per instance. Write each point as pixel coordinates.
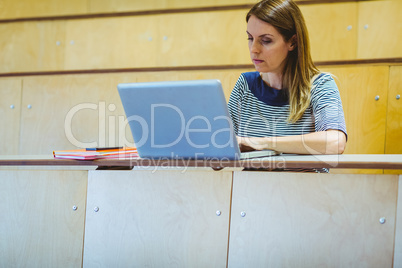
(323, 82)
(322, 77)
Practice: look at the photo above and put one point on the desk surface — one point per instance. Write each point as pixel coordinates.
(358, 161)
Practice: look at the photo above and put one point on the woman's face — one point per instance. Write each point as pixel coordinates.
(268, 49)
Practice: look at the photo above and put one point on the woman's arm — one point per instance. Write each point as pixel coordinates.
(322, 142)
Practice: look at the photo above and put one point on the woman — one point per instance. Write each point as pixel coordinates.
(287, 105)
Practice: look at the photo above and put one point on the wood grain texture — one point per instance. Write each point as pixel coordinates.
(53, 99)
(27, 46)
(48, 10)
(330, 37)
(393, 144)
(398, 228)
(356, 171)
(157, 218)
(71, 112)
(380, 27)
(365, 117)
(10, 9)
(38, 227)
(228, 78)
(10, 107)
(160, 40)
(312, 220)
(181, 40)
(163, 40)
(126, 45)
(349, 161)
(86, 111)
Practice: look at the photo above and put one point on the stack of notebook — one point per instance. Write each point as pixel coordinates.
(97, 153)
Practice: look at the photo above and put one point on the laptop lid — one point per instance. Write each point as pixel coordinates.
(179, 119)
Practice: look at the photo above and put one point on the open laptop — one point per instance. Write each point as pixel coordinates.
(181, 120)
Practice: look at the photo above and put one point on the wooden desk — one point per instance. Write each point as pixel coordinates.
(176, 214)
(367, 161)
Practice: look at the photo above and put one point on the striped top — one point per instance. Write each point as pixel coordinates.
(258, 110)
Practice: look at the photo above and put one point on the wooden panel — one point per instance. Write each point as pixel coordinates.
(180, 40)
(393, 143)
(112, 43)
(190, 42)
(157, 218)
(32, 46)
(356, 171)
(176, 39)
(380, 27)
(332, 29)
(70, 112)
(28, 8)
(60, 94)
(85, 110)
(392, 171)
(158, 76)
(312, 220)
(162, 40)
(227, 77)
(38, 226)
(10, 107)
(398, 228)
(365, 117)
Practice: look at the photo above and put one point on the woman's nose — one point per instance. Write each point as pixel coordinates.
(254, 47)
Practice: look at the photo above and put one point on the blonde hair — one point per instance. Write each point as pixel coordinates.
(299, 70)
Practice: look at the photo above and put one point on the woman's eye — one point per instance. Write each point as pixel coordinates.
(250, 38)
(266, 41)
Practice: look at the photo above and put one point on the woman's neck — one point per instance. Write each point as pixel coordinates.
(272, 79)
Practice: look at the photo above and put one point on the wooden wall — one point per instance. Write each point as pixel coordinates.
(187, 37)
(61, 62)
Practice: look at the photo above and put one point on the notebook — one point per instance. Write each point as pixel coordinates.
(181, 120)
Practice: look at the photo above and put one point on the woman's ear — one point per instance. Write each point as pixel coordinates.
(292, 42)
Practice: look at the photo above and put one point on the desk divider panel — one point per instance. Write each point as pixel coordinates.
(312, 220)
(42, 218)
(157, 218)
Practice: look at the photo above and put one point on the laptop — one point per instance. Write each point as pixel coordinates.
(181, 120)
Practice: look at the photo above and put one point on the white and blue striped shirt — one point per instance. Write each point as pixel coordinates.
(258, 110)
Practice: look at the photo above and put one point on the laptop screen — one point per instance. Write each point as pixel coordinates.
(179, 119)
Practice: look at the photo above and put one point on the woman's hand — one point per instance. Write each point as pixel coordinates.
(247, 144)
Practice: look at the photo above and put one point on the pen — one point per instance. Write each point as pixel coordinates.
(103, 148)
